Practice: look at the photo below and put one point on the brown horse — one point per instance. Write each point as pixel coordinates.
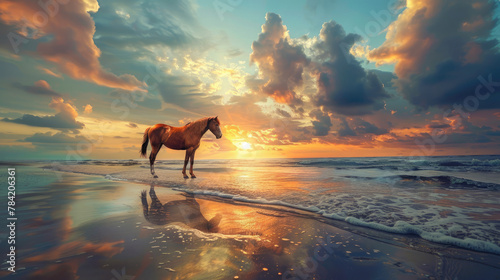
(178, 138)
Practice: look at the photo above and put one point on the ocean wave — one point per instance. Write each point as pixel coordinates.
(486, 164)
(443, 181)
(491, 162)
(399, 227)
(331, 162)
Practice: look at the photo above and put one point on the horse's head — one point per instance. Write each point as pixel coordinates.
(214, 126)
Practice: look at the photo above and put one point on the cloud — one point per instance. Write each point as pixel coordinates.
(440, 48)
(65, 118)
(56, 138)
(321, 123)
(439, 125)
(283, 113)
(316, 77)
(344, 129)
(281, 64)
(65, 38)
(363, 127)
(184, 93)
(234, 52)
(357, 127)
(40, 87)
(345, 87)
(87, 109)
(49, 72)
(147, 23)
(132, 125)
(219, 145)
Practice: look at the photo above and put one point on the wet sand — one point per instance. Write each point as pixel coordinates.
(88, 227)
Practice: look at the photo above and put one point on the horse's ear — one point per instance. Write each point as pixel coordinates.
(217, 117)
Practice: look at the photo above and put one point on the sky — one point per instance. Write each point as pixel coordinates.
(287, 79)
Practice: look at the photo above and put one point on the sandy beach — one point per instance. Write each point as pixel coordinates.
(79, 226)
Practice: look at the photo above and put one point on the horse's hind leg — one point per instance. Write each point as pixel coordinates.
(191, 159)
(152, 157)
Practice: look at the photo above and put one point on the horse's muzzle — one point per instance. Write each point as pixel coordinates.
(218, 137)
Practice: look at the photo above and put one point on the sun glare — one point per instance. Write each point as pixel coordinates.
(246, 146)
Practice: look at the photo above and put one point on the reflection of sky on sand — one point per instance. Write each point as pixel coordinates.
(49, 244)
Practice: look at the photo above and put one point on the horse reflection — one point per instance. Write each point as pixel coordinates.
(185, 211)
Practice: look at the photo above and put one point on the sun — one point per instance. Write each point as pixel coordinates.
(246, 146)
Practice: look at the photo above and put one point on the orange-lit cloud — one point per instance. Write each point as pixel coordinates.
(49, 72)
(72, 47)
(65, 108)
(43, 84)
(87, 109)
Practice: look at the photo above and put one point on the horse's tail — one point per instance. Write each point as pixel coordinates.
(145, 139)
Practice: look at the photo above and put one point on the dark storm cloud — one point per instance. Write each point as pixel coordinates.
(345, 87)
(344, 129)
(358, 127)
(283, 113)
(280, 63)
(40, 87)
(444, 125)
(386, 78)
(65, 119)
(441, 50)
(331, 79)
(58, 121)
(321, 123)
(364, 127)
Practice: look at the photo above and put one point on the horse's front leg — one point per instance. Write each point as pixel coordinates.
(186, 159)
(191, 164)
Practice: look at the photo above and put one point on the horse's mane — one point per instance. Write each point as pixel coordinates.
(200, 124)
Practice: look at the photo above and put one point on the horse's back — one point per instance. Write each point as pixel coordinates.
(172, 137)
(157, 133)
(160, 126)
